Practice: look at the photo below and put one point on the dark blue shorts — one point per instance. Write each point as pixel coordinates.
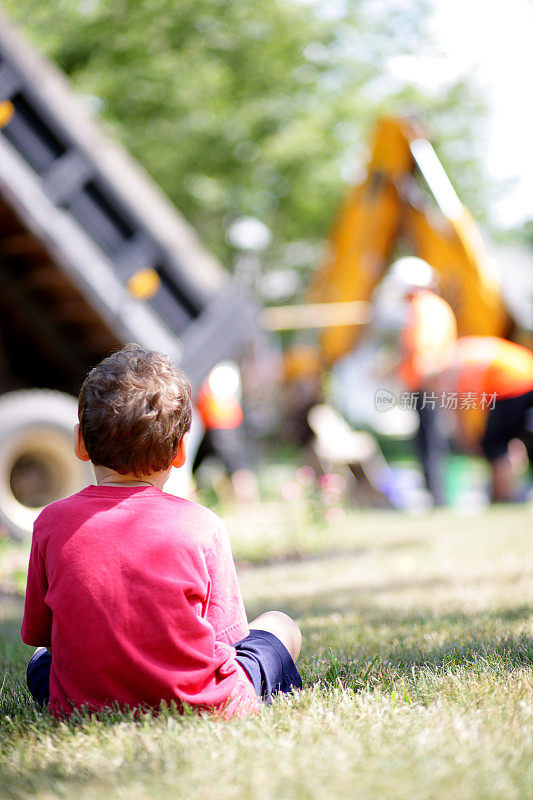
(268, 664)
(509, 419)
(38, 676)
(261, 654)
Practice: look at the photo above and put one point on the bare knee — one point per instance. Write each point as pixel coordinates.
(282, 626)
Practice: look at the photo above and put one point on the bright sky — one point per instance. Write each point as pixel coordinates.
(495, 39)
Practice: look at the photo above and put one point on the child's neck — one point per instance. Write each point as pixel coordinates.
(108, 477)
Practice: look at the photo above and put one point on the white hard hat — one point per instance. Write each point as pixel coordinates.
(412, 272)
(224, 379)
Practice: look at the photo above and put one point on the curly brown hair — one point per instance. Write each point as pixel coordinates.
(134, 408)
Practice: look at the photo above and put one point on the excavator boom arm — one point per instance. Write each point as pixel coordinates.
(381, 210)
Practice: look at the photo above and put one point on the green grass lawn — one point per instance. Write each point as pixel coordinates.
(416, 662)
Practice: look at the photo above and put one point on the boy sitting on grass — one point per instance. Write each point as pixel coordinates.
(132, 593)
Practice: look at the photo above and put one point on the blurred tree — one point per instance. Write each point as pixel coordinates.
(524, 233)
(252, 109)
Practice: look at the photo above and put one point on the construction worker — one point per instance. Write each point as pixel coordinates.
(427, 340)
(495, 377)
(219, 408)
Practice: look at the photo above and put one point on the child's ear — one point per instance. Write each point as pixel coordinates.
(79, 445)
(179, 458)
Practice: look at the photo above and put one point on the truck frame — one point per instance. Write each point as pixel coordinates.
(92, 255)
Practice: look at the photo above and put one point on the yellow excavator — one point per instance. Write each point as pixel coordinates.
(392, 205)
(405, 197)
(405, 204)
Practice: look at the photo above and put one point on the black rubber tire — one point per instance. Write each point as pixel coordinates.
(37, 461)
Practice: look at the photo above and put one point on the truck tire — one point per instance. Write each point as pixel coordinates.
(37, 461)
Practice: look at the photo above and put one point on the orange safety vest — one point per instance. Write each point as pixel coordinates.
(428, 339)
(218, 412)
(494, 366)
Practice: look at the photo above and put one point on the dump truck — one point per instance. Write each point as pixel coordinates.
(92, 255)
